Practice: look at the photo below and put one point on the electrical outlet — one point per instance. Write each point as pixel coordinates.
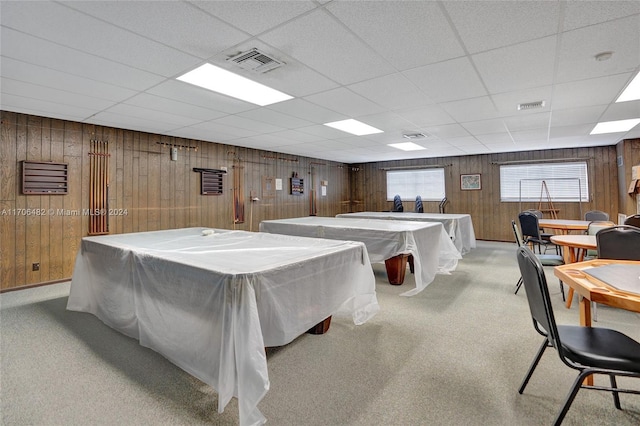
(35, 267)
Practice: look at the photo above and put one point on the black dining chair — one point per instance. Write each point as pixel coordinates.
(397, 204)
(633, 220)
(419, 207)
(596, 215)
(530, 227)
(545, 259)
(590, 350)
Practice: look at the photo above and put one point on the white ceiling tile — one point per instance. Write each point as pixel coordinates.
(345, 102)
(323, 131)
(471, 109)
(320, 42)
(447, 131)
(622, 111)
(585, 13)
(490, 24)
(44, 53)
(483, 127)
(595, 91)
(222, 132)
(255, 17)
(496, 139)
(275, 118)
(581, 115)
(463, 141)
(43, 108)
(415, 34)
(21, 71)
(295, 136)
(448, 81)
(173, 107)
(246, 123)
(176, 24)
(539, 120)
(426, 116)
(576, 57)
(68, 27)
(307, 111)
(388, 122)
(188, 93)
(570, 131)
(536, 135)
(393, 91)
(523, 66)
(170, 120)
(44, 93)
(128, 121)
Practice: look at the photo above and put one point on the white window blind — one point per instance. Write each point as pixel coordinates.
(427, 183)
(566, 182)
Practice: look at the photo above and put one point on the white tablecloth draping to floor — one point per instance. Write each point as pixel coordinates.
(458, 226)
(432, 249)
(211, 300)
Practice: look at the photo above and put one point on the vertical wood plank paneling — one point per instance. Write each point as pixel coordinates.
(8, 192)
(21, 204)
(72, 217)
(56, 206)
(33, 203)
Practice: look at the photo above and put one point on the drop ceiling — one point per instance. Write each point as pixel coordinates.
(454, 71)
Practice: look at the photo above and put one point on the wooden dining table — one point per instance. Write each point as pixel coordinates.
(611, 282)
(564, 226)
(616, 289)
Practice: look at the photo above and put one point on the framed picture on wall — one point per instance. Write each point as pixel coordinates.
(470, 182)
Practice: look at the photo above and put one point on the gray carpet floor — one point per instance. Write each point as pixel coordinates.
(455, 354)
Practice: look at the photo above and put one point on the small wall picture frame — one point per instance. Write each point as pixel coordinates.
(471, 182)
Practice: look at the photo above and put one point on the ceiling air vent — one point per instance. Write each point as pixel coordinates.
(414, 136)
(256, 61)
(530, 105)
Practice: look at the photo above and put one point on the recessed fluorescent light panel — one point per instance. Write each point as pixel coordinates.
(632, 92)
(354, 127)
(222, 81)
(407, 146)
(615, 126)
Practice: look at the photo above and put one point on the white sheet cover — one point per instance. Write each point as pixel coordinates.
(212, 303)
(432, 249)
(458, 226)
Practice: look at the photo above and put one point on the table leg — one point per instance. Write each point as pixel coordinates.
(396, 268)
(320, 328)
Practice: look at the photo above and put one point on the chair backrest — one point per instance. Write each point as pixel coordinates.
(535, 284)
(516, 233)
(419, 206)
(596, 215)
(633, 220)
(620, 242)
(593, 229)
(529, 224)
(538, 213)
(397, 204)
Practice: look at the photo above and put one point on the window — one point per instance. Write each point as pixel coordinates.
(427, 183)
(566, 182)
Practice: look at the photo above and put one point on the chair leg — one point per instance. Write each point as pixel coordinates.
(518, 285)
(562, 291)
(533, 366)
(616, 397)
(577, 384)
(594, 311)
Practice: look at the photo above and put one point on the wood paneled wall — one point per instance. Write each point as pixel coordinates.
(629, 153)
(147, 191)
(492, 218)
